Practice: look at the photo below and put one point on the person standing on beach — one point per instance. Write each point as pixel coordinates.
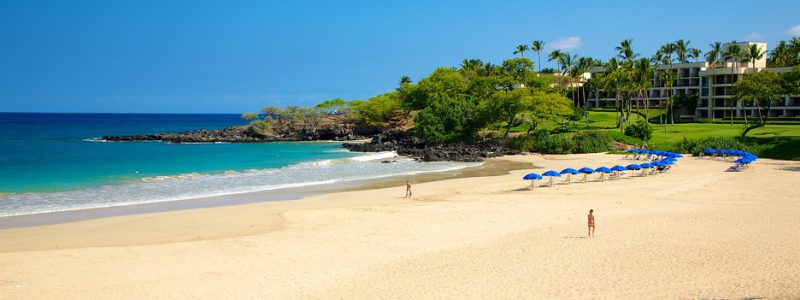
(591, 223)
(408, 189)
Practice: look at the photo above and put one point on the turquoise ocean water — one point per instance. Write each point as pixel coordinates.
(54, 162)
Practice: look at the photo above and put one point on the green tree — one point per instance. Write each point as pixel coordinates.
(713, 57)
(332, 106)
(625, 50)
(555, 55)
(682, 50)
(640, 130)
(448, 119)
(444, 82)
(781, 56)
(695, 54)
(506, 107)
(378, 110)
(760, 89)
(790, 81)
(519, 70)
(546, 107)
(753, 53)
(538, 47)
(521, 50)
(733, 53)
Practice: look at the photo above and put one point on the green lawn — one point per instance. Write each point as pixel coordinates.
(775, 141)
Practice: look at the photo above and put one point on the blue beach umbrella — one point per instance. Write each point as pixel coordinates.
(631, 151)
(604, 171)
(669, 161)
(532, 177)
(646, 165)
(569, 171)
(708, 151)
(633, 167)
(552, 174)
(618, 168)
(586, 171)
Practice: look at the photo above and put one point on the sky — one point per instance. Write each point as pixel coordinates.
(237, 56)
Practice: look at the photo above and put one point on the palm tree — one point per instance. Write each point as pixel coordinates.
(668, 78)
(554, 56)
(656, 61)
(583, 66)
(712, 58)
(521, 50)
(538, 46)
(625, 50)
(781, 56)
(733, 53)
(643, 71)
(753, 53)
(567, 62)
(694, 53)
(681, 49)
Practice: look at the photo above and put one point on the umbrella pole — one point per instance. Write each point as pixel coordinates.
(551, 181)
(569, 178)
(584, 177)
(532, 185)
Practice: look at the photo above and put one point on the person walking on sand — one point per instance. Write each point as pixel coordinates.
(408, 189)
(591, 223)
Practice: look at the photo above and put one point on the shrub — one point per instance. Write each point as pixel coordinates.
(552, 143)
(695, 146)
(591, 142)
(641, 130)
(545, 142)
(522, 143)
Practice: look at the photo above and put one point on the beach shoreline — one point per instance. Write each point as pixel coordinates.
(688, 233)
(490, 167)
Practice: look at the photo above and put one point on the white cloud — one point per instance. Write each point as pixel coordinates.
(566, 43)
(753, 37)
(795, 30)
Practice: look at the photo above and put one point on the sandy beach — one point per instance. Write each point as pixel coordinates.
(695, 232)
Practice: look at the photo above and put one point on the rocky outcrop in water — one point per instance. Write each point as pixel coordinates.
(391, 140)
(406, 144)
(251, 134)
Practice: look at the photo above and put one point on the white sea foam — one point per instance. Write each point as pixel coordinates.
(375, 156)
(194, 185)
(95, 139)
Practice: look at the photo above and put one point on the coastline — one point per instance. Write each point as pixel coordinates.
(688, 233)
(491, 167)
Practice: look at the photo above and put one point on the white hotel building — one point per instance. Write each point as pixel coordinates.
(714, 87)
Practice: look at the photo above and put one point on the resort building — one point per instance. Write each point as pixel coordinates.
(711, 86)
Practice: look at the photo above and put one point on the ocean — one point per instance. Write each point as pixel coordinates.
(56, 162)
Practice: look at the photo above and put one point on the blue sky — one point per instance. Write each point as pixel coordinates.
(236, 56)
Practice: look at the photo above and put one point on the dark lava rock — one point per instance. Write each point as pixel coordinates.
(406, 144)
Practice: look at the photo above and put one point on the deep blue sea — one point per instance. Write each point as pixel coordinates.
(55, 162)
